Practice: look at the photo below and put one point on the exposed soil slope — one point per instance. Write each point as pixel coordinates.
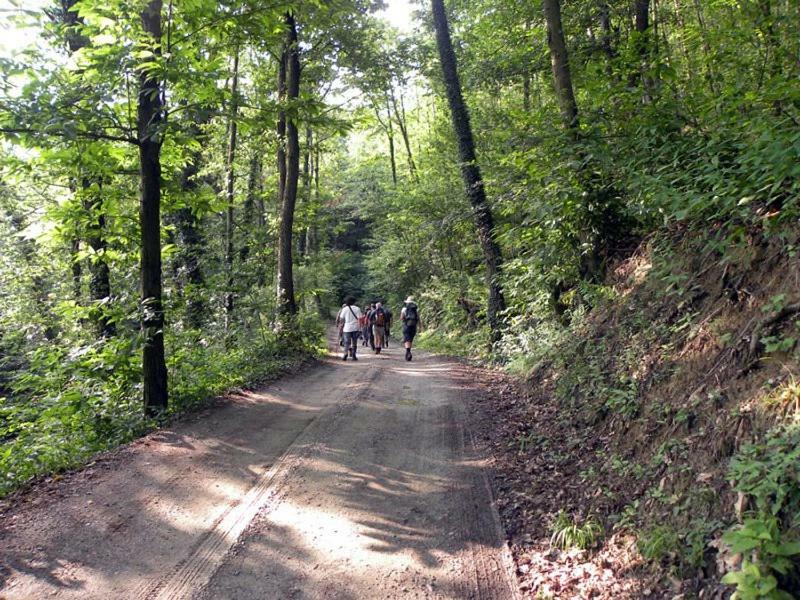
(635, 415)
(348, 480)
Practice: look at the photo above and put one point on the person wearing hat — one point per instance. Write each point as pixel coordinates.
(409, 317)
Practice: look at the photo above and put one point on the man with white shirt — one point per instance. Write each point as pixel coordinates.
(349, 316)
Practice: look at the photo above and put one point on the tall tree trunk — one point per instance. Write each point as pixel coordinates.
(190, 241)
(681, 35)
(400, 115)
(75, 268)
(316, 171)
(470, 172)
(772, 43)
(230, 178)
(286, 300)
(606, 46)
(261, 209)
(526, 92)
(596, 213)
(99, 280)
(149, 108)
(559, 60)
(75, 41)
(313, 233)
(711, 77)
(641, 16)
(281, 127)
(643, 45)
(388, 127)
(302, 242)
(251, 200)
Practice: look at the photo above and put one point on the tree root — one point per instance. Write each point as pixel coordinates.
(769, 321)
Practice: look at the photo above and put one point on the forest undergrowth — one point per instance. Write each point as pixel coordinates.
(66, 404)
(667, 419)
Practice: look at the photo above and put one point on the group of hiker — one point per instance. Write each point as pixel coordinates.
(373, 324)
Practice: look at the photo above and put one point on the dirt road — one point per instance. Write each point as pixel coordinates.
(345, 481)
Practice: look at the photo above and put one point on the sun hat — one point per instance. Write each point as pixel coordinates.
(410, 299)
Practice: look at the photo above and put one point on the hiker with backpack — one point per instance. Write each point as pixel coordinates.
(409, 317)
(378, 319)
(349, 316)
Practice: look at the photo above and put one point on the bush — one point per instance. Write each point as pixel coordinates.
(768, 474)
(71, 404)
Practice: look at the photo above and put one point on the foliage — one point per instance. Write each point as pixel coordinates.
(767, 474)
(568, 533)
(658, 543)
(70, 239)
(68, 405)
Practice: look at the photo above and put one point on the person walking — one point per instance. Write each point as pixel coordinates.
(349, 316)
(366, 328)
(409, 317)
(339, 326)
(378, 319)
(369, 325)
(388, 312)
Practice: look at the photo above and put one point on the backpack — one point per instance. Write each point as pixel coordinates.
(411, 316)
(379, 318)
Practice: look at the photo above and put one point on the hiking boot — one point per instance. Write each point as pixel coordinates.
(408, 354)
(344, 357)
(377, 350)
(355, 357)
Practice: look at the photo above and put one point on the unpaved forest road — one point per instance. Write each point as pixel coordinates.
(345, 481)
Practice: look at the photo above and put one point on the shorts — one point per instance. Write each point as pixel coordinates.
(409, 331)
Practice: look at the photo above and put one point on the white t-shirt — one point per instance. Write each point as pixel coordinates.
(350, 318)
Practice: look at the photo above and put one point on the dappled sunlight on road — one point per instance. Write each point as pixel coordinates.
(348, 481)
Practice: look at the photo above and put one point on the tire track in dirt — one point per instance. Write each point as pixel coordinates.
(346, 481)
(193, 574)
(394, 503)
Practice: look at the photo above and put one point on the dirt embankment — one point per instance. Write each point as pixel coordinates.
(632, 420)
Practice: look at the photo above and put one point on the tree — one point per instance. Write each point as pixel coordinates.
(594, 212)
(559, 60)
(149, 116)
(387, 126)
(190, 278)
(91, 199)
(400, 116)
(470, 172)
(286, 300)
(230, 178)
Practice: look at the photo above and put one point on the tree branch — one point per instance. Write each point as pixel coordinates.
(84, 135)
